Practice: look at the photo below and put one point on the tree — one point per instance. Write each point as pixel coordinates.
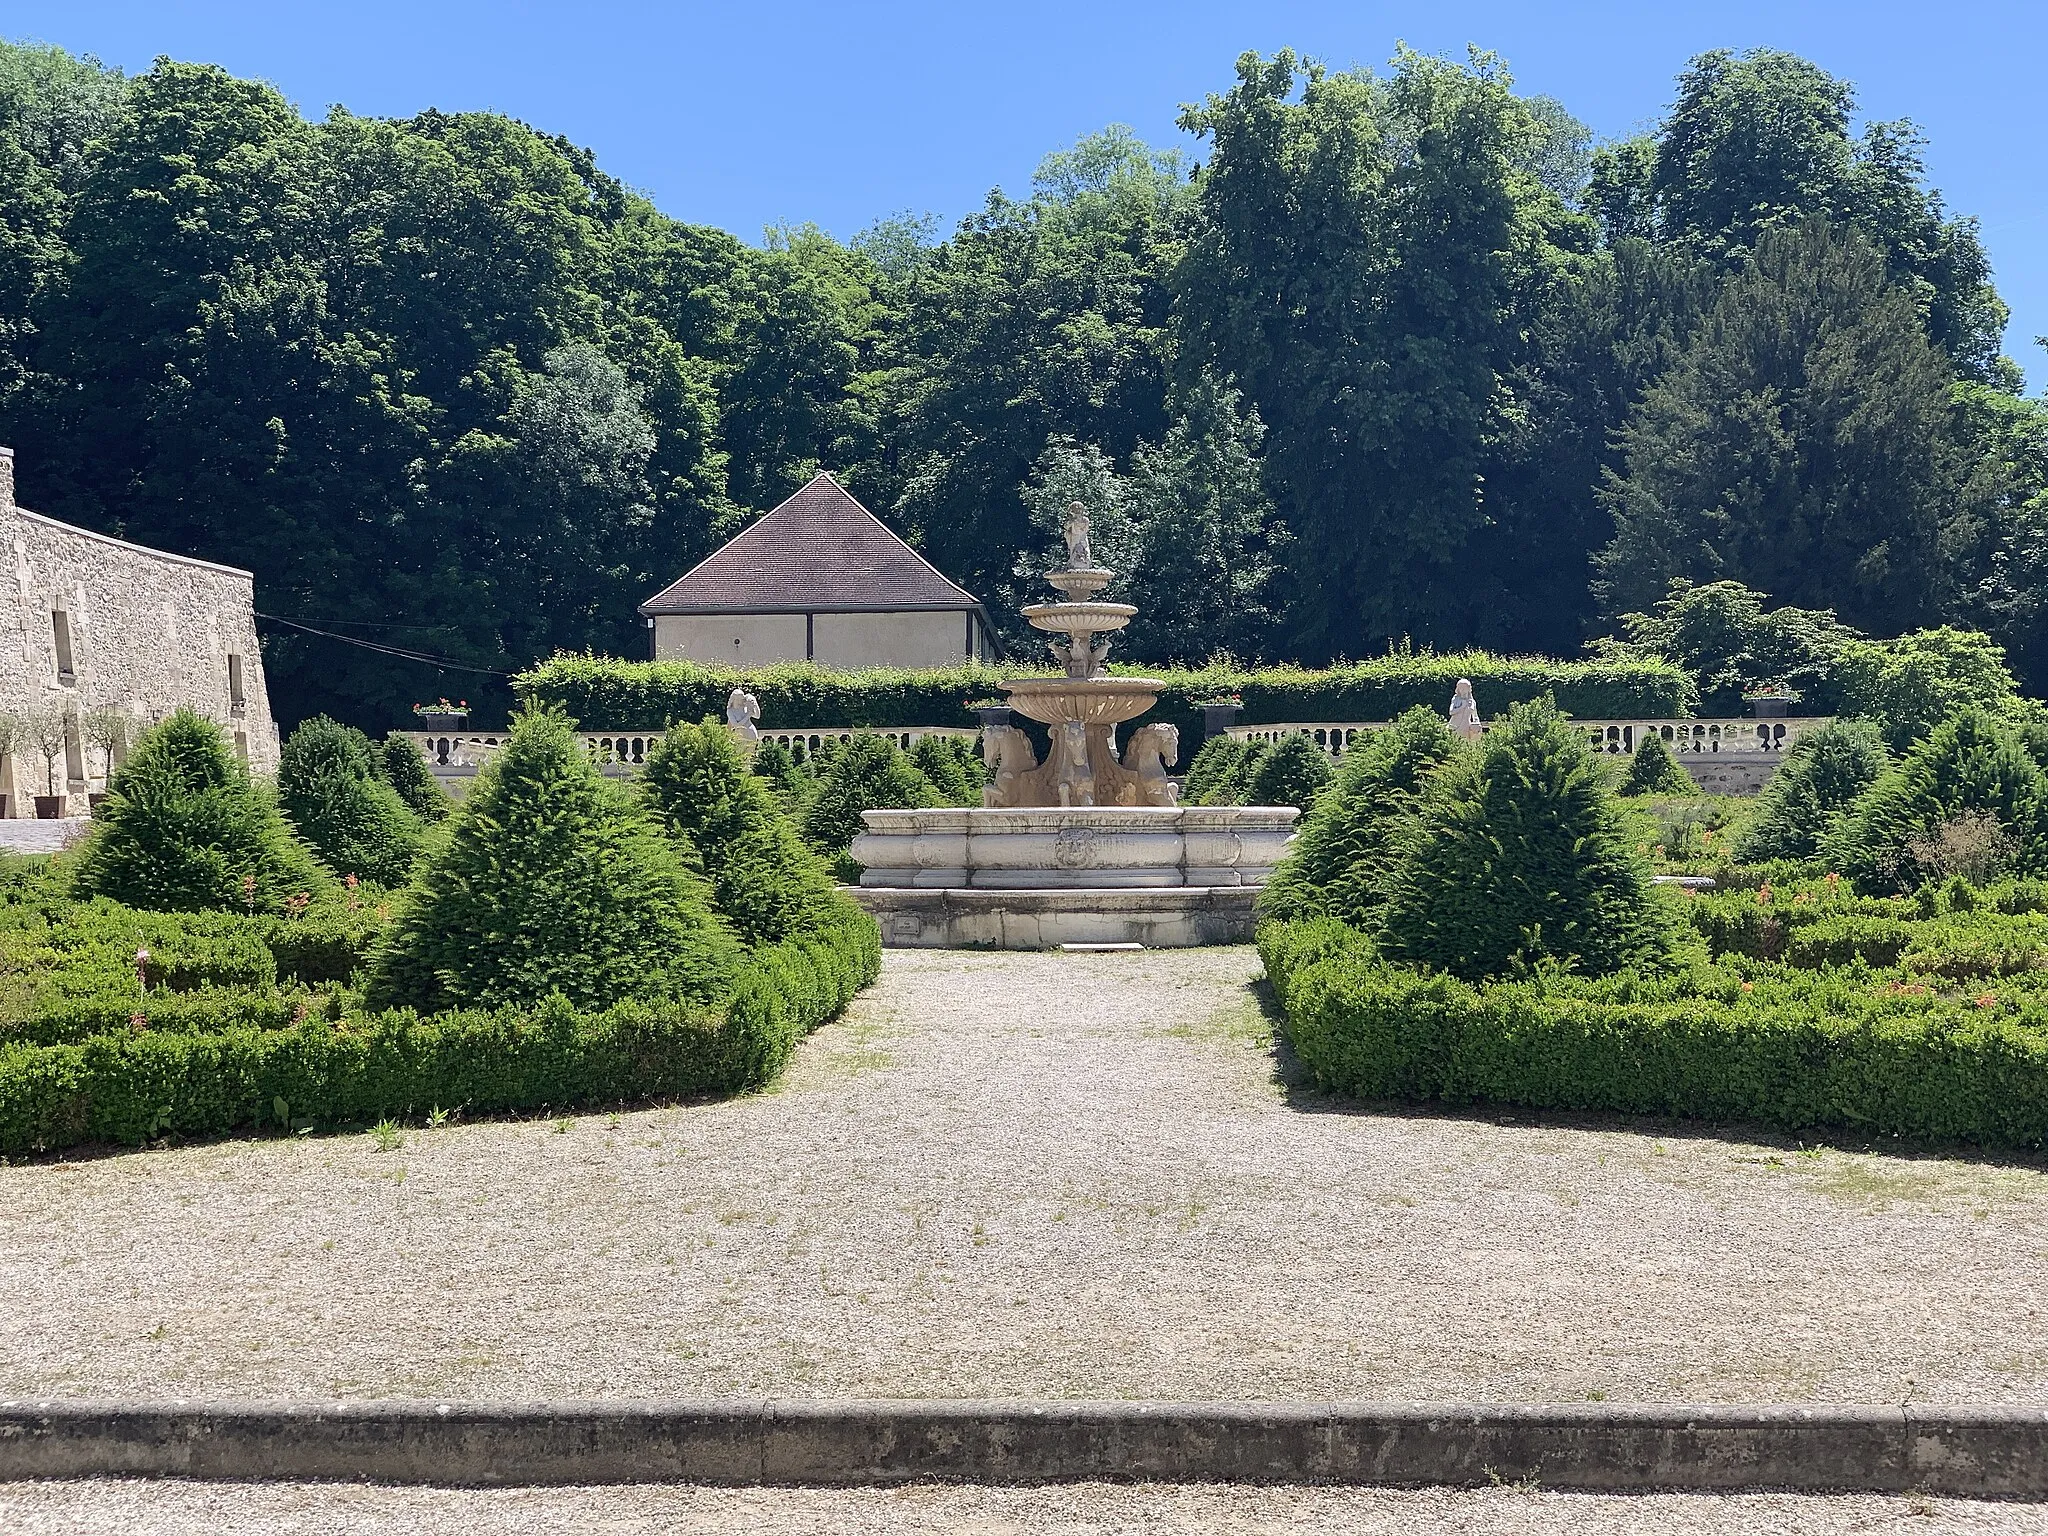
(1820, 778)
(184, 829)
(1654, 771)
(406, 771)
(1350, 268)
(1971, 765)
(1518, 855)
(1293, 773)
(1800, 444)
(1910, 685)
(763, 880)
(550, 882)
(1722, 634)
(1339, 859)
(329, 786)
(869, 774)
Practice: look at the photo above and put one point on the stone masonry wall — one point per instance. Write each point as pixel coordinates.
(146, 633)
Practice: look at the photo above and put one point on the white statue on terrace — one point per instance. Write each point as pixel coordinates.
(742, 709)
(1465, 722)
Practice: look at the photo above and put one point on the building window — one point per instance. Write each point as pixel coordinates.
(236, 701)
(60, 629)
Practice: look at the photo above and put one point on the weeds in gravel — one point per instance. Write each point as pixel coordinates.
(388, 1135)
(562, 1126)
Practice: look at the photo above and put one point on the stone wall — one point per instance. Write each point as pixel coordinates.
(89, 623)
(912, 638)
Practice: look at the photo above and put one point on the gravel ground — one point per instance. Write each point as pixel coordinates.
(1035, 1175)
(229, 1509)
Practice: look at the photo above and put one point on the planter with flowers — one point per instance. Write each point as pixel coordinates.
(441, 715)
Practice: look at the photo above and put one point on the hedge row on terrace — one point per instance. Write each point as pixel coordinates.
(606, 694)
(1796, 1050)
(131, 1087)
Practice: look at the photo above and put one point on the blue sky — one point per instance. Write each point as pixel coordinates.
(747, 115)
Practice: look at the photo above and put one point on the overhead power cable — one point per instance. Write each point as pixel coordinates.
(424, 657)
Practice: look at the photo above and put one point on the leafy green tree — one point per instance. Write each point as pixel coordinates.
(549, 881)
(1293, 773)
(871, 773)
(1350, 266)
(1972, 764)
(1800, 444)
(1723, 635)
(1341, 855)
(328, 783)
(1820, 778)
(401, 765)
(1910, 685)
(183, 829)
(1517, 855)
(764, 880)
(1654, 771)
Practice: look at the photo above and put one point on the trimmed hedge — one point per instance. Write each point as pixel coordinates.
(134, 1087)
(606, 694)
(1790, 1049)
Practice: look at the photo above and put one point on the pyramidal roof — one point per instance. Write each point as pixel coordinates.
(819, 552)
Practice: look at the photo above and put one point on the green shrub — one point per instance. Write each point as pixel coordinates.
(183, 829)
(548, 880)
(870, 773)
(1235, 787)
(402, 766)
(1790, 1049)
(763, 879)
(607, 694)
(1519, 854)
(1970, 779)
(1654, 771)
(313, 1069)
(1820, 778)
(1293, 773)
(774, 763)
(1910, 685)
(329, 785)
(1211, 768)
(934, 757)
(1339, 858)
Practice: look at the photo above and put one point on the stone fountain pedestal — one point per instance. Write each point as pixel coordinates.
(1087, 847)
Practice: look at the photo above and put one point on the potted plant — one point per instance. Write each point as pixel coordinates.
(106, 730)
(988, 712)
(1771, 701)
(49, 732)
(441, 715)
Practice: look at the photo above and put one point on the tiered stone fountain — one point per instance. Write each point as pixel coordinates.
(1087, 847)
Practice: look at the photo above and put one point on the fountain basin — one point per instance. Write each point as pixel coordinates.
(1089, 618)
(1024, 879)
(1090, 700)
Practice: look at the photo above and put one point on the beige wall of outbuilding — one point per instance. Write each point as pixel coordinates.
(148, 633)
(846, 640)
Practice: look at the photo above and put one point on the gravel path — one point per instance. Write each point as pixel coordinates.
(1008, 1175)
(229, 1509)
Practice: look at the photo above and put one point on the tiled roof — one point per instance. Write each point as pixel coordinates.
(820, 551)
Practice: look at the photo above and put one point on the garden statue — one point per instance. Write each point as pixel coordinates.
(1008, 753)
(1075, 780)
(1465, 722)
(742, 709)
(1079, 556)
(1151, 749)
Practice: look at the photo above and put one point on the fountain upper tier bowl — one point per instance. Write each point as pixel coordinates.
(1090, 700)
(1089, 618)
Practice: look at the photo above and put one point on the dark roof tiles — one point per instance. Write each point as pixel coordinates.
(819, 551)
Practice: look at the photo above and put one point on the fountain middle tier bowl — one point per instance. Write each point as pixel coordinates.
(1079, 618)
(1091, 700)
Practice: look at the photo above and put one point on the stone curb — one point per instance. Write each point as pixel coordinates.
(1964, 1452)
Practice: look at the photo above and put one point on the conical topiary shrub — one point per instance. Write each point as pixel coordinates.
(184, 828)
(763, 879)
(1338, 860)
(1969, 766)
(1654, 771)
(1519, 854)
(328, 784)
(869, 773)
(933, 756)
(406, 771)
(1820, 778)
(550, 880)
(1293, 773)
(1211, 768)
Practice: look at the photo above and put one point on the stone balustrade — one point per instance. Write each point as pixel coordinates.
(459, 754)
(1757, 738)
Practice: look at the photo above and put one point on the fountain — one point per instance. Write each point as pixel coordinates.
(1088, 846)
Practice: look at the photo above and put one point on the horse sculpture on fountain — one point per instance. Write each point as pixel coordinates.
(1151, 749)
(1010, 758)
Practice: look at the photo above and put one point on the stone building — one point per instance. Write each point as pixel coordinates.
(817, 579)
(95, 628)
